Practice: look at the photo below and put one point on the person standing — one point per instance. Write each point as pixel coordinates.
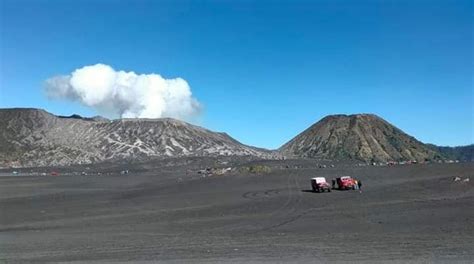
(359, 184)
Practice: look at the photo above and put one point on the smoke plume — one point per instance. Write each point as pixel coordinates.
(125, 94)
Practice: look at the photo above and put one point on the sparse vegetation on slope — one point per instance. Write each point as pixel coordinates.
(364, 137)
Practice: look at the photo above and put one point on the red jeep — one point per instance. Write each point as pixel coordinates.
(345, 183)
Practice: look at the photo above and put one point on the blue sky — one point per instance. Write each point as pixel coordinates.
(263, 71)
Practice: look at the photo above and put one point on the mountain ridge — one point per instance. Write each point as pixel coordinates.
(35, 137)
(365, 137)
(32, 137)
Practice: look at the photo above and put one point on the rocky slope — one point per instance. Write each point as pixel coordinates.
(32, 137)
(363, 136)
(462, 153)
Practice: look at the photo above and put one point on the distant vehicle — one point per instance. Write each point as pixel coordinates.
(319, 184)
(346, 183)
(54, 173)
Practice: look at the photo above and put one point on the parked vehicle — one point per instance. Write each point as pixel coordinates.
(319, 184)
(346, 183)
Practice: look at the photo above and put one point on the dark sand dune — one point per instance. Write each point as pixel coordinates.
(406, 214)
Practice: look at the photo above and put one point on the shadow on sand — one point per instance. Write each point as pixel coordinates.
(335, 189)
(310, 191)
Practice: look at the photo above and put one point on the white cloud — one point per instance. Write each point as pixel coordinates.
(126, 94)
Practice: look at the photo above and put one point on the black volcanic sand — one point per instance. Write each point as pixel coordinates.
(159, 212)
